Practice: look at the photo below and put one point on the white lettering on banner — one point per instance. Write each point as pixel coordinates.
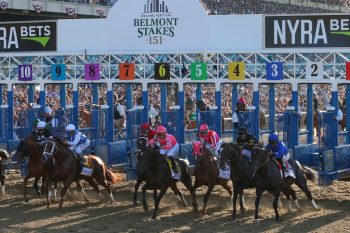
(308, 34)
(7, 41)
(29, 31)
(342, 25)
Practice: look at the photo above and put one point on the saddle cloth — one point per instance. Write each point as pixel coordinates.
(288, 172)
(176, 176)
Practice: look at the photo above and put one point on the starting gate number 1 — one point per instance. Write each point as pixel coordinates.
(25, 73)
(58, 72)
(314, 70)
(127, 71)
(236, 71)
(274, 71)
(198, 71)
(162, 71)
(92, 71)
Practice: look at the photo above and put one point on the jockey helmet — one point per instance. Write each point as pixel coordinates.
(70, 127)
(145, 126)
(203, 129)
(41, 125)
(161, 130)
(35, 122)
(273, 139)
(241, 101)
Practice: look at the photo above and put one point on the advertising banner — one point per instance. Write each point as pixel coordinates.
(31, 36)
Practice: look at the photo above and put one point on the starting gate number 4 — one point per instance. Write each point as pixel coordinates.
(162, 71)
(58, 72)
(126, 71)
(92, 71)
(274, 71)
(25, 73)
(236, 71)
(314, 70)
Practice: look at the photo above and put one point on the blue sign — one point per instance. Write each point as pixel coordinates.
(274, 71)
(58, 72)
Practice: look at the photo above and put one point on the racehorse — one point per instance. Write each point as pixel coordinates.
(241, 176)
(142, 144)
(65, 167)
(3, 155)
(158, 176)
(37, 168)
(268, 177)
(207, 172)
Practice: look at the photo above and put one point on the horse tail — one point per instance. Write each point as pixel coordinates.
(113, 177)
(309, 172)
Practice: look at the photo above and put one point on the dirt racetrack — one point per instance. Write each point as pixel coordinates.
(122, 216)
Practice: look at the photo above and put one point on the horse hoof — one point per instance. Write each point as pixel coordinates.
(145, 208)
(26, 200)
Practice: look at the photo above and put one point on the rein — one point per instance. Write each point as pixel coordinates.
(53, 148)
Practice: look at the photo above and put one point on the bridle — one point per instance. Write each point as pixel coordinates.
(54, 148)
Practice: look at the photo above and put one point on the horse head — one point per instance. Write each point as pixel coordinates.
(142, 144)
(258, 158)
(230, 152)
(150, 156)
(50, 148)
(4, 154)
(28, 148)
(198, 151)
(22, 151)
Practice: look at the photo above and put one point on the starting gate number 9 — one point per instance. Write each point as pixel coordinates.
(314, 70)
(92, 71)
(25, 73)
(198, 71)
(58, 72)
(127, 71)
(162, 71)
(236, 71)
(274, 71)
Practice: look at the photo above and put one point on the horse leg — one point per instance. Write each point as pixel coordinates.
(2, 186)
(93, 184)
(178, 194)
(81, 189)
(275, 204)
(25, 182)
(259, 193)
(303, 186)
(234, 200)
(156, 203)
(66, 183)
(137, 185)
(241, 201)
(187, 181)
(206, 197)
(35, 185)
(144, 202)
(154, 194)
(47, 187)
(43, 179)
(224, 184)
(294, 196)
(55, 189)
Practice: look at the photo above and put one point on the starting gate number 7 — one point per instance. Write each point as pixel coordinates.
(127, 71)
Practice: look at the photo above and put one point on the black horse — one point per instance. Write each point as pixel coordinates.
(267, 177)
(3, 155)
(158, 176)
(142, 144)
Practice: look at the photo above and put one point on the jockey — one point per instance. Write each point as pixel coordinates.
(167, 144)
(146, 131)
(248, 141)
(278, 149)
(41, 133)
(76, 141)
(241, 107)
(210, 139)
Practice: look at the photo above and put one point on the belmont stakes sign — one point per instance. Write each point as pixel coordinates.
(307, 31)
(31, 36)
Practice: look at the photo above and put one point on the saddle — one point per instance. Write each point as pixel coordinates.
(287, 172)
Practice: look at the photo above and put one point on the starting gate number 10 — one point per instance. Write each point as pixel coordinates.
(25, 73)
(58, 72)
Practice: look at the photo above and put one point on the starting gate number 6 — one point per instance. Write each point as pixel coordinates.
(162, 70)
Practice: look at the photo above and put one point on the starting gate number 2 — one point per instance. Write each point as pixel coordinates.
(25, 73)
(314, 70)
(58, 72)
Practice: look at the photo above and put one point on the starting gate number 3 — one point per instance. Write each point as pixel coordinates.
(58, 72)
(314, 70)
(274, 71)
(236, 70)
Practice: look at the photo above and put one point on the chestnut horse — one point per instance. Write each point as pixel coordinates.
(207, 172)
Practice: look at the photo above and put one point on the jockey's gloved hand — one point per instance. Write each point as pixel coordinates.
(157, 144)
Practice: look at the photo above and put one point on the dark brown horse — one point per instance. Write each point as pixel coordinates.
(37, 168)
(268, 178)
(3, 155)
(207, 172)
(65, 167)
(158, 176)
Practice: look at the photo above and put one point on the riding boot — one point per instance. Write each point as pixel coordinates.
(280, 160)
(82, 159)
(173, 164)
